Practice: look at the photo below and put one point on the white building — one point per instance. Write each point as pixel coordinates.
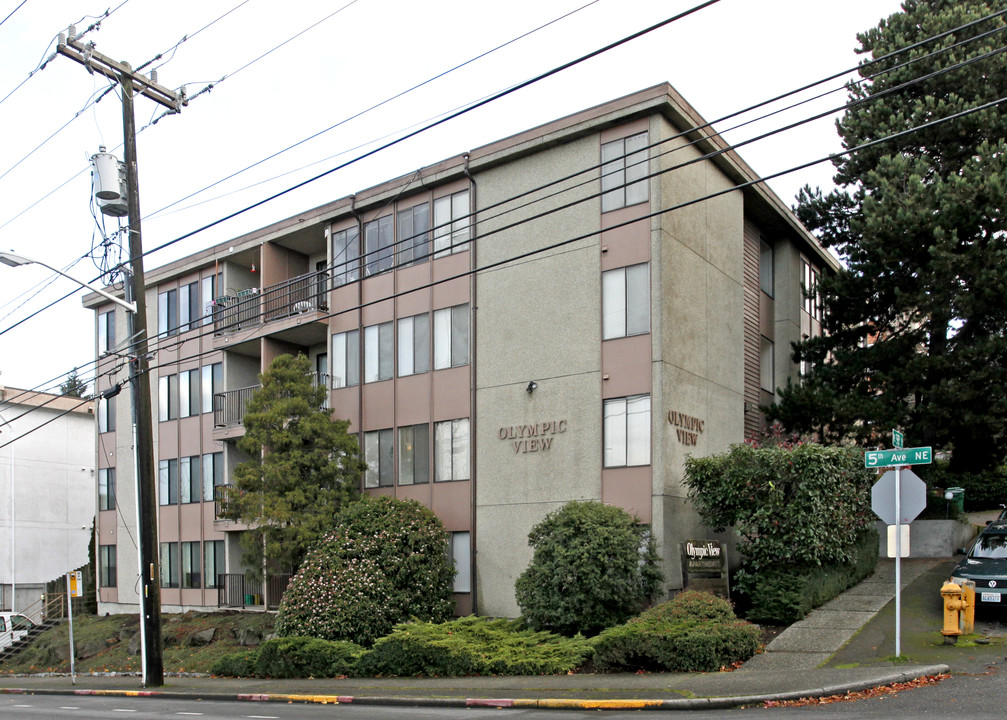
(47, 491)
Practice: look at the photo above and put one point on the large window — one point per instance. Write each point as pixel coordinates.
(107, 569)
(627, 431)
(191, 577)
(169, 564)
(451, 337)
(189, 479)
(106, 414)
(624, 172)
(378, 352)
(460, 554)
(766, 361)
(766, 267)
(451, 223)
(414, 345)
(413, 244)
(106, 489)
(106, 331)
(809, 287)
(213, 474)
(167, 312)
(188, 306)
(378, 245)
(414, 454)
(346, 256)
(188, 393)
(209, 287)
(625, 302)
(378, 454)
(167, 397)
(213, 563)
(212, 380)
(346, 359)
(451, 450)
(167, 482)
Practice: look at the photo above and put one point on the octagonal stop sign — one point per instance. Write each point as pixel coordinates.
(912, 500)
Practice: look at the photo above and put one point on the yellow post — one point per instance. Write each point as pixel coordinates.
(969, 616)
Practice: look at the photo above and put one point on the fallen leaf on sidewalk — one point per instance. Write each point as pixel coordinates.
(873, 692)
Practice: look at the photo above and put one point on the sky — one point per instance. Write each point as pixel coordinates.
(302, 73)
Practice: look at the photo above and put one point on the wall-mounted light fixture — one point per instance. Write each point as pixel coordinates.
(531, 387)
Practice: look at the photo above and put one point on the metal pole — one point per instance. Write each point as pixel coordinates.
(13, 582)
(69, 612)
(898, 561)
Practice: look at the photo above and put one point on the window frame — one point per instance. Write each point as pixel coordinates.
(345, 354)
(379, 245)
(451, 337)
(106, 331)
(409, 239)
(622, 291)
(460, 556)
(413, 445)
(190, 579)
(451, 226)
(413, 340)
(106, 488)
(211, 382)
(345, 242)
(631, 448)
(167, 482)
(624, 172)
(214, 549)
(452, 446)
(108, 566)
(168, 555)
(211, 474)
(379, 456)
(167, 312)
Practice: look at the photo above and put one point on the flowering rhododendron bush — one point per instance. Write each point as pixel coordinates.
(385, 562)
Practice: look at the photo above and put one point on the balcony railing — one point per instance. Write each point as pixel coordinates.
(229, 407)
(240, 590)
(248, 308)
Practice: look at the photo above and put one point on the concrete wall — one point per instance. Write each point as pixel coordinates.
(931, 538)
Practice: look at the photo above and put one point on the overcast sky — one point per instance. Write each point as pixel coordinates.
(340, 58)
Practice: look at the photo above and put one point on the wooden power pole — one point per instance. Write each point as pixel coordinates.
(143, 457)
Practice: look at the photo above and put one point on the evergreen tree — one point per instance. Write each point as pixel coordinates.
(914, 329)
(73, 385)
(302, 468)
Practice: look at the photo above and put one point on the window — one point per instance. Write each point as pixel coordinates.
(451, 450)
(766, 379)
(624, 172)
(414, 235)
(167, 312)
(212, 382)
(809, 288)
(209, 287)
(188, 306)
(322, 375)
(378, 456)
(766, 267)
(346, 256)
(167, 397)
(459, 553)
(106, 331)
(346, 359)
(625, 301)
(414, 345)
(378, 241)
(106, 566)
(169, 565)
(414, 454)
(378, 352)
(167, 482)
(106, 489)
(106, 414)
(451, 337)
(627, 431)
(191, 577)
(213, 474)
(451, 224)
(189, 479)
(188, 393)
(213, 563)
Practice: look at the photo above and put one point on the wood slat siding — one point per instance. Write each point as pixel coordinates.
(750, 283)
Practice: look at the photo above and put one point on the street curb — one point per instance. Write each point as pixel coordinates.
(705, 703)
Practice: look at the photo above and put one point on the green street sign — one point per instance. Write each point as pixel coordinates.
(891, 458)
(898, 440)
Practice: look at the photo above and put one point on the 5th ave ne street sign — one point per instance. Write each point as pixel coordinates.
(892, 458)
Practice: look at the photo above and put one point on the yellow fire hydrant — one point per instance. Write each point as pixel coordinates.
(959, 610)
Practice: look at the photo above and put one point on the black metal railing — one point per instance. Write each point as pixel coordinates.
(303, 293)
(229, 406)
(240, 590)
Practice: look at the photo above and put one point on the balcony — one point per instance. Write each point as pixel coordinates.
(229, 407)
(253, 307)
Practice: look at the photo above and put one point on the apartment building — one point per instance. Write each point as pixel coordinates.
(564, 314)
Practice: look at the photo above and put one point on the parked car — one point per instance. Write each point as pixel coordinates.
(13, 627)
(986, 564)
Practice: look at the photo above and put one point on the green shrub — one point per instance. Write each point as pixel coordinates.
(302, 657)
(690, 633)
(593, 567)
(385, 562)
(781, 596)
(239, 664)
(472, 646)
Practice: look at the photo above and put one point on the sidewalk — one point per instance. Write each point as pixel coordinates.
(824, 654)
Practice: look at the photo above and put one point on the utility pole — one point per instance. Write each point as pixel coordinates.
(143, 457)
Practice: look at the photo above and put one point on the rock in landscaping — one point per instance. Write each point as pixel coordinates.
(247, 637)
(200, 637)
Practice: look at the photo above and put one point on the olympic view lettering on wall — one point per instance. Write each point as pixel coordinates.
(687, 427)
(537, 437)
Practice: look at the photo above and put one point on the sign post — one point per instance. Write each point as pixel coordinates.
(74, 588)
(879, 504)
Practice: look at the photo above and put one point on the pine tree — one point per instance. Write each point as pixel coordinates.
(302, 468)
(914, 332)
(73, 385)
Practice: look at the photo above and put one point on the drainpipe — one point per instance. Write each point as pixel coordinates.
(473, 444)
